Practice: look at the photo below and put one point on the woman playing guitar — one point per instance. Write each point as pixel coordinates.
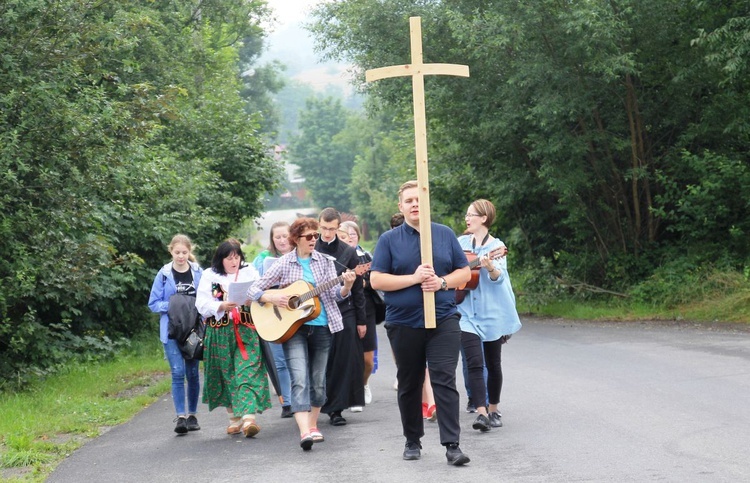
(488, 314)
(307, 350)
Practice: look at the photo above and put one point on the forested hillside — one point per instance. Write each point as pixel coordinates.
(613, 136)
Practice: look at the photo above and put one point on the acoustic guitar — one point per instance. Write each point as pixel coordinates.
(475, 264)
(276, 324)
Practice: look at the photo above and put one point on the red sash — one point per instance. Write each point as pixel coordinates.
(236, 316)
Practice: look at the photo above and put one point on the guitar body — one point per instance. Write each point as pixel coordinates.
(474, 281)
(476, 265)
(276, 324)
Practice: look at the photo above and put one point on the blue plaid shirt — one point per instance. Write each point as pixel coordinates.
(288, 270)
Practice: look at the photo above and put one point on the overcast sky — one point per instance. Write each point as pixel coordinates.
(290, 11)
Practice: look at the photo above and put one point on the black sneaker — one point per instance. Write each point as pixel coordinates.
(482, 423)
(286, 412)
(470, 408)
(181, 427)
(192, 423)
(412, 451)
(496, 420)
(455, 456)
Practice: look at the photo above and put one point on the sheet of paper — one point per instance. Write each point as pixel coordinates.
(268, 263)
(237, 292)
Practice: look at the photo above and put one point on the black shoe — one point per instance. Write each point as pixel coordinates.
(496, 420)
(286, 412)
(337, 419)
(482, 423)
(181, 427)
(455, 456)
(470, 408)
(412, 451)
(192, 423)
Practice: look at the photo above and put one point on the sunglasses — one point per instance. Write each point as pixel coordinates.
(310, 236)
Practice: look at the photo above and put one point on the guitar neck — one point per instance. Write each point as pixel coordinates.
(478, 261)
(359, 270)
(321, 288)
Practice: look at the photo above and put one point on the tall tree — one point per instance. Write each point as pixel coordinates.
(325, 156)
(120, 125)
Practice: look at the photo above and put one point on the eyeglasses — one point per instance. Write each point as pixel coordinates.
(311, 236)
(469, 215)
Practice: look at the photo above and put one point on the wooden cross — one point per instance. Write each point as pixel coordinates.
(417, 70)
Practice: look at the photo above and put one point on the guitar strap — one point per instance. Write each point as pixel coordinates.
(474, 241)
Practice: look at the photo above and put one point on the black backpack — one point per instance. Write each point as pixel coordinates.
(185, 325)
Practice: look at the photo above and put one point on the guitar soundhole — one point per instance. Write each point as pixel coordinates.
(293, 303)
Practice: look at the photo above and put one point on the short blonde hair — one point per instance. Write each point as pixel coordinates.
(408, 185)
(485, 208)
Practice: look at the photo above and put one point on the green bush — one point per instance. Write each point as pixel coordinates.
(684, 281)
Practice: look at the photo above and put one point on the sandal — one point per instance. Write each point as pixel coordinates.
(306, 442)
(316, 435)
(235, 426)
(249, 427)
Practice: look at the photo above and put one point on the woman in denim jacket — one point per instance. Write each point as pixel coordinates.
(181, 275)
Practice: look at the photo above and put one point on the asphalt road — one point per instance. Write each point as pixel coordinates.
(581, 402)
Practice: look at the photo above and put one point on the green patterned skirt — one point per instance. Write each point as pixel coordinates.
(229, 380)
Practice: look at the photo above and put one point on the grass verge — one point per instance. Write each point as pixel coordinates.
(51, 418)
(732, 308)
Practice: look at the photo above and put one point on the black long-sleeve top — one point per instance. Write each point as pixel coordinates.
(346, 257)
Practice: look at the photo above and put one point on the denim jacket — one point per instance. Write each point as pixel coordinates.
(163, 288)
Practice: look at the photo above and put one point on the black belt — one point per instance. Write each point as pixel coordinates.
(245, 319)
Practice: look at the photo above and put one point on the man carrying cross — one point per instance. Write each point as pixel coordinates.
(397, 269)
(417, 265)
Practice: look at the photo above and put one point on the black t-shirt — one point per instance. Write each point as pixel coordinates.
(184, 282)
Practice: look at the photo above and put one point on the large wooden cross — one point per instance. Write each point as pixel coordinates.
(417, 70)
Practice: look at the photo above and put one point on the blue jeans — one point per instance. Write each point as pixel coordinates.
(283, 371)
(182, 369)
(306, 355)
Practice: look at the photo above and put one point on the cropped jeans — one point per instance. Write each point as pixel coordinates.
(283, 371)
(306, 355)
(183, 369)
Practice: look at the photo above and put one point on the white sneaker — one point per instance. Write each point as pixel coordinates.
(368, 395)
(356, 409)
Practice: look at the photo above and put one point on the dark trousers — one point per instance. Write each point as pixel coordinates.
(478, 355)
(437, 349)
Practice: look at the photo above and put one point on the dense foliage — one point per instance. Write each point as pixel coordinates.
(121, 124)
(611, 135)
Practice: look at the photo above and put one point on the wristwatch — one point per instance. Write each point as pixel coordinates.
(443, 284)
